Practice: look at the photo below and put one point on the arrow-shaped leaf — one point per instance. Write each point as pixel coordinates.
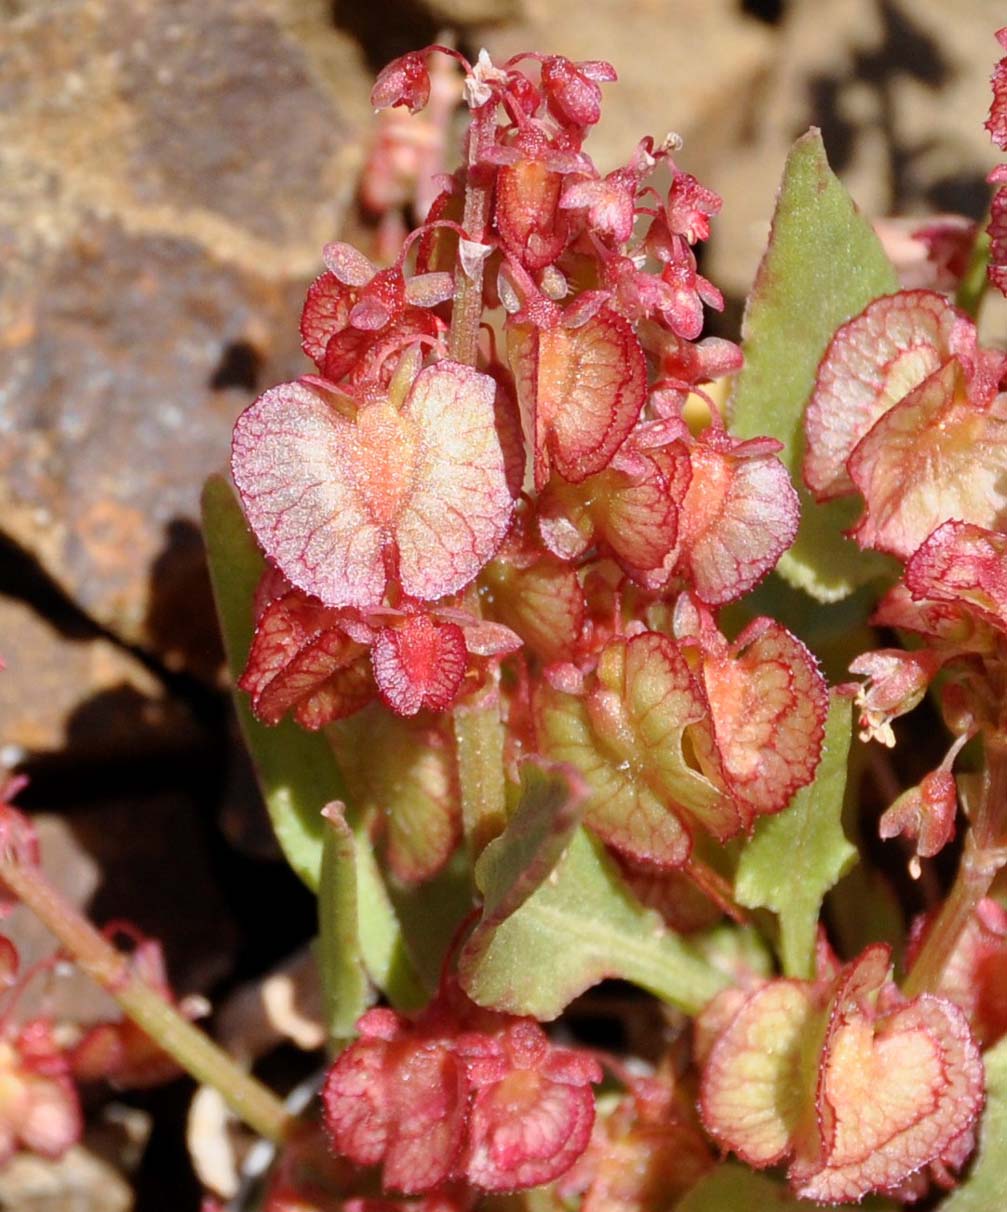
(822, 266)
(795, 857)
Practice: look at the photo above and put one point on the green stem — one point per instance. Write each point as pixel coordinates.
(985, 854)
(479, 737)
(972, 287)
(191, 1048)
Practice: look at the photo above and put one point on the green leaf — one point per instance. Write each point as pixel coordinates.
(345, 988)
(985, 1188)
(823, 265)
(796, 856)
(975, 281)
(431, 913)
(382, 942)
(297, 771)
(731, 1187)
(558, 917)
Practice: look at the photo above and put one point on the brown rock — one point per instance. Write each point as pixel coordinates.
(80, 696)
(79, 1182)
(464, 13)
(170, 173)
(900, 89)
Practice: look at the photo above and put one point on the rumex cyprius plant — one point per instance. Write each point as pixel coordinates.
(531, 642)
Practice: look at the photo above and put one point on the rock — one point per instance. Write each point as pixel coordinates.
(465, 13)
(79, 1182)
(80, 696)
(900, 90)
(170, 174)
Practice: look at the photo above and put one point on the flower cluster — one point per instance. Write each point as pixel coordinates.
(459, 1094)
(907, 410)
(528, 515)
(490, 497)
(857, 1086)
(43, 1061)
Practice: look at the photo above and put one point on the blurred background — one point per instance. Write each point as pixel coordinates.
(169, 170)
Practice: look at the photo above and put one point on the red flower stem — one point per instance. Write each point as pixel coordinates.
(467, 307)
(478, 728)
(985, 854)
(194, 1051)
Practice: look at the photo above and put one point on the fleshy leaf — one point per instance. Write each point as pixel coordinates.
(874, 361)
(296, 770)
(539, 831)
(580, 391)
(824, 264)
(575, 924)
(344, 980)
(806, 837)
(410, 790)
(333, 500)
(731, 1186)
(933, 457)
(628, 737)
(985, 1187)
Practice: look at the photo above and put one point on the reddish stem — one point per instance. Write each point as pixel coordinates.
(985, 855)
(466, 311)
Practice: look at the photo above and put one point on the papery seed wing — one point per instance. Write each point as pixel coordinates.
(873, 361)
(412, 790)
(326, 312)
(902, 1092)
(527, 1130)
(933, 457)
(459, 505)
(769, 704)
(543, 602)
(580, 391)
(755, 1092)
(427, 1109)
(419, 663)
(739, 515)
(297, 465)
(634, 738)
(355, 1102)
(965, 565)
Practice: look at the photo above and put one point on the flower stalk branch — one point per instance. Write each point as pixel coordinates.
(191, 1048)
